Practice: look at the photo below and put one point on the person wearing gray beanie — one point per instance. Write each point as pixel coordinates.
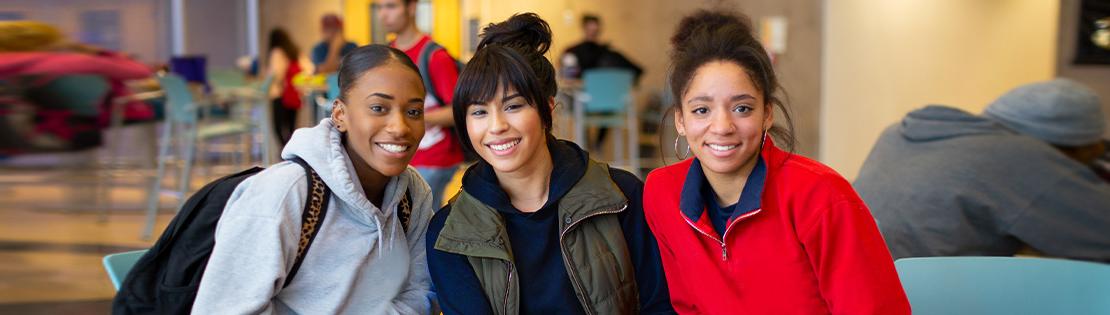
(945, 182)
(1062, 112)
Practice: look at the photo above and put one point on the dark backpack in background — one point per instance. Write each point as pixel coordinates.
(424, 61)
(165, 279)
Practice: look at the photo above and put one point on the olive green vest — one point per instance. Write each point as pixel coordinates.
(594, 250)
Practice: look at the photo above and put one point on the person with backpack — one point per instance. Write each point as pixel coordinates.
(440, 153)
(367, 256)
(743, 225)
(539, 227)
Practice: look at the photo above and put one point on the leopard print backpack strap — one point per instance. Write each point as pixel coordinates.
(312, 217)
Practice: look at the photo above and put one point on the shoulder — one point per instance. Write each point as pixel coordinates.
(668, 177)
(625, 180)
(265, 193)
(439, 219)
(418, 188)
(802, 173)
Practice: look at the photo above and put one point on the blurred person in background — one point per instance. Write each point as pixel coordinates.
(284, 64)
(327, 53)
(945, 182)
(33, 54)
(440, 152)
(591, 53)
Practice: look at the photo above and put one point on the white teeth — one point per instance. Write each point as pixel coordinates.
(716, 147)
(395, 148)
(503, 147)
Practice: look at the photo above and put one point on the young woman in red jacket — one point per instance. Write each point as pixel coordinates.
(744, 226)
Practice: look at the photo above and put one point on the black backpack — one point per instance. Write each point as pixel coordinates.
(165, 279)
(423, 62)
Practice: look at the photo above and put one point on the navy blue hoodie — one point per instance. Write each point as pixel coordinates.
(544, 283)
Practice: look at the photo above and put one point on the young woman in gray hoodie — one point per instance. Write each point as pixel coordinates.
(365, 259)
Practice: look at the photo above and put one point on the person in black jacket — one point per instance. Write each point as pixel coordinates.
(538, 227)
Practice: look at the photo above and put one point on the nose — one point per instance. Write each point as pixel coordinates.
(721, 123)
(497, 123)
(397, 126)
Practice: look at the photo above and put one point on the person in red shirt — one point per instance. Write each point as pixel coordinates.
(439, 153)
(744, 226)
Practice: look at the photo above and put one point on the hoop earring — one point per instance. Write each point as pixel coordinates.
(676, 150)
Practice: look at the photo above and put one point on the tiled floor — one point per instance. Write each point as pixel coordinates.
(56, 225)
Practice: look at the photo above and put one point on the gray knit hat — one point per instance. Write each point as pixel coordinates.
(1061, 112)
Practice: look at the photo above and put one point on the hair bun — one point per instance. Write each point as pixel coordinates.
(705, 22)
(525, 32)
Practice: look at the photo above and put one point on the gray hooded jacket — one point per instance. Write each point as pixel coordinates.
(944, 182)
(361, 262)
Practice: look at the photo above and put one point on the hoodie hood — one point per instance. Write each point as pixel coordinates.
(937, 122)
(481, 182)
(322, 147)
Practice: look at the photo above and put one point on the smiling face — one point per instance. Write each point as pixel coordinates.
(723, 117)
(506, 131)
(383, 116)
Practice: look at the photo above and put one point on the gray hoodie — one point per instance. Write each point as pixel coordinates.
(944, 182)
(361, 262)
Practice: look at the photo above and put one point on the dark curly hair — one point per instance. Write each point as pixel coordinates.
(511, 54)
(707, 36)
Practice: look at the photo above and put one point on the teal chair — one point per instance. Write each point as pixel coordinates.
(119, 264)
(183, 126)
(324, 105)
(1005, 285)
(607, 96)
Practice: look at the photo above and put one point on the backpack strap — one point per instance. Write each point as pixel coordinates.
(312, 217)
(404, 210)
(425, 60)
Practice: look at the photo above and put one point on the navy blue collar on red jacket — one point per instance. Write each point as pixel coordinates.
(692, 204)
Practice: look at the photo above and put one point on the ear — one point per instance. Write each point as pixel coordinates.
(551, 100)
(679, 122)
(768, 117)
(339, 115)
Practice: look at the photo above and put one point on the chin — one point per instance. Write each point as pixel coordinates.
(391, 170)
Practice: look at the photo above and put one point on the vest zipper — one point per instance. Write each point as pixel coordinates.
(573, 273)
(508, 286)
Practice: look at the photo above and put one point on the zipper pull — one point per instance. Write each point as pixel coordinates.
(724, 252)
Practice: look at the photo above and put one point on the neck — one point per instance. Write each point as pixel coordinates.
(528, 186)
(373, 182)
(408, 36)
(728, 186)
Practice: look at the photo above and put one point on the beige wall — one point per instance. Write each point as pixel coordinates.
(885, 58)
(641, 30)
(298, 17)
(1095, 76)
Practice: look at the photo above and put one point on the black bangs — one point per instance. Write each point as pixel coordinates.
(492, 67)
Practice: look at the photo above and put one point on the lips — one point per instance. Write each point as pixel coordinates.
(393, 147)
(721, 148)
(503, 146)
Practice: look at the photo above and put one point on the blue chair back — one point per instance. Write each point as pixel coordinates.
(179, 100)
(1005, 285)
(609, 89)
(119, 264)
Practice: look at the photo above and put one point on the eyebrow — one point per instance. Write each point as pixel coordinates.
(381, 95)
(734, 98)
(503, 99)
(507, 98)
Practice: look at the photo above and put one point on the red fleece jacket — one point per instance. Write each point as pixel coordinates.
(811, 248)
